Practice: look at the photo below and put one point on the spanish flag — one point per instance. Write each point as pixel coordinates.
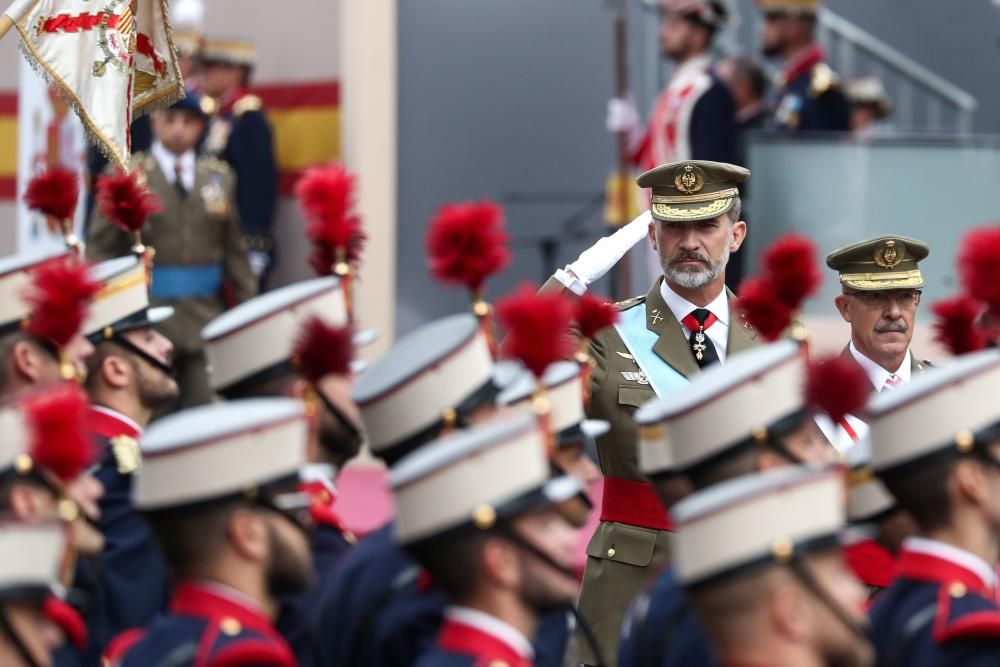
(8, 144)
(305, 118)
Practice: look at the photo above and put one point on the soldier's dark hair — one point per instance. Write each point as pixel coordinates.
(746, 68)
(102, 351)
(923, 492)
(277, 385)
(453, 563)
(190, 537)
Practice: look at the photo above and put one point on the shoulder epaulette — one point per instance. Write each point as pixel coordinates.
(628, 303)
(822, 79)
(246, 104)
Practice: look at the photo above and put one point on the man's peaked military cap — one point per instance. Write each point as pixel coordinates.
(693, 190)
(884, 262)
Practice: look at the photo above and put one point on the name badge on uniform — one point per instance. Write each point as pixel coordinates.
(635, 376)
(213, 194)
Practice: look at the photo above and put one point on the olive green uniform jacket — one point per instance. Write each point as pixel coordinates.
(621, 558)
(197, 230)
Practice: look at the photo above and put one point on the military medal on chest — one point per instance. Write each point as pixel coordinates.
(699, 346)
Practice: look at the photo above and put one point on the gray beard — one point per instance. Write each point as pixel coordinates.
(696, 279)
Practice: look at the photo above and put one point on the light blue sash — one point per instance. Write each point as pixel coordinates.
(640, 341)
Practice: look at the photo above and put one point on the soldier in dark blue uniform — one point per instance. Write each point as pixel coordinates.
(219, 484)
(239, 134)
(377, 607)
(129, 377)
(681, 451)
(936, 446)
(759, 559)
(262, 348)
(480, 512)
(808, 94)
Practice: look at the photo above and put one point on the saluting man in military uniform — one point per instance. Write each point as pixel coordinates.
(809, 95)
(684, 323)
(239, 133)
(196, 237)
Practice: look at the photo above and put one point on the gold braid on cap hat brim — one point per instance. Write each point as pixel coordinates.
(711, 210)
(894, 280)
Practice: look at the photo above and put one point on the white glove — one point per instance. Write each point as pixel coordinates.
(622, 116)
(599, 258)
(259, 261)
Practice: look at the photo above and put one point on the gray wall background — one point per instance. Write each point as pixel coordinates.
(507, 97)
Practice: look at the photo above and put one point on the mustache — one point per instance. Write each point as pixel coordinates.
(893, 326)
(690, 256)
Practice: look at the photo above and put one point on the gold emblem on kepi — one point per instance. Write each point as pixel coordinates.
(689, 179)
(126, 453)
(888, 255)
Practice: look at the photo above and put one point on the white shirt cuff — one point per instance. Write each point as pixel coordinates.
(572, 283)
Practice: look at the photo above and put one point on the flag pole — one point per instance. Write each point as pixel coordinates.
(623, 270)
(14, 13)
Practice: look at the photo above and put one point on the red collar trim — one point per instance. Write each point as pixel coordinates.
(924, 567)
(321, 509)
(109, 426)
(193, 599)
(458, 637)
(804, 62)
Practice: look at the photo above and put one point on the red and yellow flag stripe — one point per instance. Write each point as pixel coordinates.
(8, 145)
(305, 118)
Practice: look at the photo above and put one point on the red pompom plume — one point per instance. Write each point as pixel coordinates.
(837, 386)
(979, 265)
(467, 243)
(762, 309)
(326, 197)
(59, 296)
(790, 264)
(59, 443)
(957, 325)
(321, 350)
(594, 314)
(125, 200)
(537, 327)
(54, 192)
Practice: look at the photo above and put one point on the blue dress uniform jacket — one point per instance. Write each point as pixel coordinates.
(241, 136)
(203, 628)
(937, 612)
(329, 543)
(130, 581)
(660, 629)
(375, 608)
(809, 98)
(462, 645)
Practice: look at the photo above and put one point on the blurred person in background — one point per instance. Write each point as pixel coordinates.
(239, 134)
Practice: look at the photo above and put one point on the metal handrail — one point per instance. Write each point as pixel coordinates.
(897, 60)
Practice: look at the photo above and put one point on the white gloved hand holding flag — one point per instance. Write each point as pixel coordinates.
(111, 59)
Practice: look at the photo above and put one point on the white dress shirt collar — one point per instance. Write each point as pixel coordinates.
(876, 373)
(168, 162)
(681, 307)
(492, 625)
(957, 555)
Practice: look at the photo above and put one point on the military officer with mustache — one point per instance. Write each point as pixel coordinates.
(880, 293)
